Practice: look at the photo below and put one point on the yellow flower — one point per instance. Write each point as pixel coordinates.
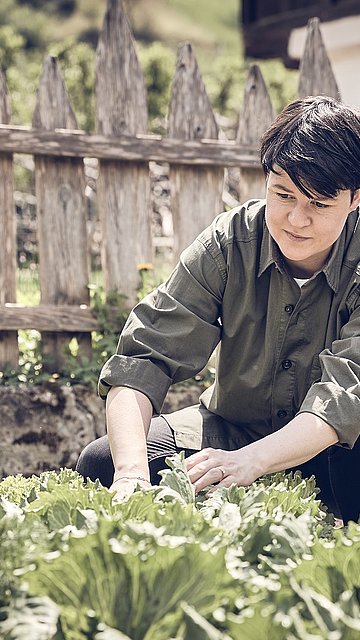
(145, 266)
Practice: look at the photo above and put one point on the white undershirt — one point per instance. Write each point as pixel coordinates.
(301, 281)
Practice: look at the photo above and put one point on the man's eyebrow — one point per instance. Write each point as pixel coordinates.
(287, 190)
(281, 186)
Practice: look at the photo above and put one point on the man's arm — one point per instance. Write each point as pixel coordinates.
(300, 440)
(128, 414)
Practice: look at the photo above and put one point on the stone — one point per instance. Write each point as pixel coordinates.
(44, 427)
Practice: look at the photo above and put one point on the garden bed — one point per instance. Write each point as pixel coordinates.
(256, 563)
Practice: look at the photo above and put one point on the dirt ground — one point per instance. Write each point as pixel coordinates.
(45, 427)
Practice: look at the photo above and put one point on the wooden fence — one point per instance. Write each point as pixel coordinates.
(197, 160)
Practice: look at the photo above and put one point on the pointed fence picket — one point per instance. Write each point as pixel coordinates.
(195, 190)
(195, 154)
(256, 115)
(61, 212)
(316, 75)
(123, 187)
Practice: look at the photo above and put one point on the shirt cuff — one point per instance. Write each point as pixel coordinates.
(136, 373)
(336, 406)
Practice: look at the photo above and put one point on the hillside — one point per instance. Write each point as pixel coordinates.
(69, 28)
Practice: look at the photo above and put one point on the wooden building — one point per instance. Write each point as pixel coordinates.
(276, 29)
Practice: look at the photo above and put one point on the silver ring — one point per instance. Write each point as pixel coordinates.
(223, 474)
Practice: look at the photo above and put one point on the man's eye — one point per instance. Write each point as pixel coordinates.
(320, 205)
(283, 196)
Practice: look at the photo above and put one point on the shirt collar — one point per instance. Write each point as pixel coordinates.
(270, 254)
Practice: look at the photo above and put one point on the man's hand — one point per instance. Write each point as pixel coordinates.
(224, 468)
(301, 439)
(124, 487)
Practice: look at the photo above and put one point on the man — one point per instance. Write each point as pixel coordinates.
(275, 286)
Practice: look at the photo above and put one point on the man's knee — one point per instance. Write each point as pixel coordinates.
(95, 461)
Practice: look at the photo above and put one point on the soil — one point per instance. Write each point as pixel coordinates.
(45, 427)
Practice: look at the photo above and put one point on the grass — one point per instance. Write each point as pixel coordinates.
(28, 285)
(28, 288)
(208, 23)
(76, 369)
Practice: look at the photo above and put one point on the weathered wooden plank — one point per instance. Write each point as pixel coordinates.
(76, 144)
(53, 318)
(61, 212)
(316, 76)
(8, 339)
(256, 115)
(196, 192)
(123, 189)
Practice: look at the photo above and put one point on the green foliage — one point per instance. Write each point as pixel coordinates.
(11, 43)
(77, 61)
(177, 479)
(20, 544)
(111, 313)
(31, 30)
(22, 77)
(29, 22)
(282, 83)
(246, 562)
(158, 65)
(31, 619)
(225, 83)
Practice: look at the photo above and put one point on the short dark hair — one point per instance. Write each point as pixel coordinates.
(316, 141)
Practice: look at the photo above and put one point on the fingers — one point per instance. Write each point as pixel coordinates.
(124, 488)
(197, 457)
(213, 476)
(206, 467)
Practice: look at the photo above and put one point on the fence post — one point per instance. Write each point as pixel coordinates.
(316, 76)
(196, 192)
(123, 187)
(8, 339)
(256, 115)
(61, 214)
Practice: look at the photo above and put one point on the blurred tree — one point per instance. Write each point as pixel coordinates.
(27, 22)
(11, 43)
(77, 61)
(225, 84)
(158, 65)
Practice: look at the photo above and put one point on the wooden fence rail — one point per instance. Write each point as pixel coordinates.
(121, 144)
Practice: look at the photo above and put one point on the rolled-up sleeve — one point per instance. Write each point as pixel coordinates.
(336, 397)
(170, 335)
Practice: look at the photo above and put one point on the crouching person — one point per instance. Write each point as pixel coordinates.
(274, 286)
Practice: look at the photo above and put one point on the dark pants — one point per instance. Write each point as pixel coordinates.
(337, 470)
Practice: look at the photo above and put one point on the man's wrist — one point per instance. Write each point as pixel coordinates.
(140, 478)
(258, 457)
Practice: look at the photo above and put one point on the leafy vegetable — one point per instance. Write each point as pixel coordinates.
(261, 562)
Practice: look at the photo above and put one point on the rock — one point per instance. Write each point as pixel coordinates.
(46, 426)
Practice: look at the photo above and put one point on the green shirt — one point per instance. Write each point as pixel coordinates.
(280, 349)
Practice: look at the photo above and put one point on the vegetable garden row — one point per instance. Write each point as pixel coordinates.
(257, 563)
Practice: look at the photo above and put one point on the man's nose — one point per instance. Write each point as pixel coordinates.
(298, 216)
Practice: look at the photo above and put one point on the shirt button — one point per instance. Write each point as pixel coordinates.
(289, 308)
(286, 364)
(281, 413)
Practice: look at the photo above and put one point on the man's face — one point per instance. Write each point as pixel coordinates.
(304, 228)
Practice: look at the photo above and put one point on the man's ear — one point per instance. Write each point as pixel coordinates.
(355, 202)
